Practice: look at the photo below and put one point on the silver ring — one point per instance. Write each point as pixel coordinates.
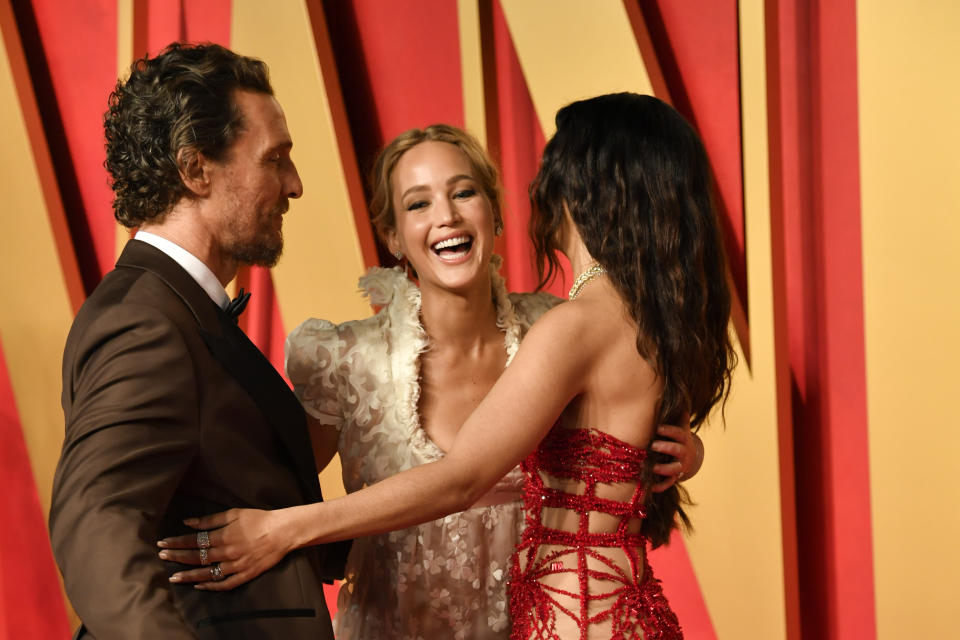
(203, 556)
(203, 539)
(216, 572)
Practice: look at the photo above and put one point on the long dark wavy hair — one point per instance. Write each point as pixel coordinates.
(636, 181)
(180, 100)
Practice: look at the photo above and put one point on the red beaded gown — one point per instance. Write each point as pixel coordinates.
(580, 570)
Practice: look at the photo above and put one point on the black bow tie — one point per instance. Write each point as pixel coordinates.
(236, 306)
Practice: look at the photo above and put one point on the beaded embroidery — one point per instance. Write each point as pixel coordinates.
(639, 609)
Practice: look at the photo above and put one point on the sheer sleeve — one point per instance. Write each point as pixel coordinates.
(312, 353)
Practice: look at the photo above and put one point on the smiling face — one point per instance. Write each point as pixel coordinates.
(251, 186)
(444, 222)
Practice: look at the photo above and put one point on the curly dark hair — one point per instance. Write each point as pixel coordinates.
(636, 180)
(172, 107)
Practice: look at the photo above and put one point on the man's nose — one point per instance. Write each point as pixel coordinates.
(294, 186)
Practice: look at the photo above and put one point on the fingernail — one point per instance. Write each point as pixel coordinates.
(164, 555)
(162, 544)
(191, 522)
(656, 446)
(175, 578)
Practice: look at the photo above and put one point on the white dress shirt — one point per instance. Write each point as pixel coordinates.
(191, 264)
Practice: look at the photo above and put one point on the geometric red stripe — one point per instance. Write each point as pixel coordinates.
(782, 161)
(170, 20)
(815, 183)
(672, 566)
(387, 84)
(341, 125)
(697, 53)
(262, 321)
(516, 140)
(31, 602)
(837, 209)
(391, 83)
(74, 67)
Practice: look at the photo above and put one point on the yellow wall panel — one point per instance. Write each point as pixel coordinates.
(570, 49)
(737, 549)
(910, 180)
(36, 313)
(322, 260)
(471, 68)
(125, 56)
(317, 275)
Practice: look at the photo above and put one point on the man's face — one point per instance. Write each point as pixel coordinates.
(252, 184)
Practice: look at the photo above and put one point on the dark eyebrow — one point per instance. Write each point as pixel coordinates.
(285, 145)
(450, 181)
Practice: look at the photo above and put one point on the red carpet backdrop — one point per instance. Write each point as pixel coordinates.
(826, 506)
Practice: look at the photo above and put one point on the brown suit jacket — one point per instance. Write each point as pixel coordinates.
(172, 412)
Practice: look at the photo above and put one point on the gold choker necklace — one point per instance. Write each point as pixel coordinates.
(592, 273)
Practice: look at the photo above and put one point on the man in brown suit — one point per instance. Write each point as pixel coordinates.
(171, 412)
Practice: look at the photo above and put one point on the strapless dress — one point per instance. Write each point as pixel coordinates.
(596, 583)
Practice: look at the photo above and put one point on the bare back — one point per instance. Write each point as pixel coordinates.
(620, 396)
(585, 544)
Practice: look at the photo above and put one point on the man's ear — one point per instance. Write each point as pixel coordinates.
(194, 171)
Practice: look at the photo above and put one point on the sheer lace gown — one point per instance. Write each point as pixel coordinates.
(580, 570)
(443, 579)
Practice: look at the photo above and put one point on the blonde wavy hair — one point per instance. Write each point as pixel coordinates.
(382, 214)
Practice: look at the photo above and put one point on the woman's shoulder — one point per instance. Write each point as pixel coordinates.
(383, 287)
(320, 344)
(571, 325)
(322, 330)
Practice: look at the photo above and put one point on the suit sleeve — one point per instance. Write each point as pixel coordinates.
(131, 409)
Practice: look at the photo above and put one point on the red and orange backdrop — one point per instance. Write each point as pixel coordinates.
(826, 507)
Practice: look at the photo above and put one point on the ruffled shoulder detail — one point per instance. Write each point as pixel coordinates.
(516, 312)
(310, 360)
(380, 284)
(400, 318)
(507, 320)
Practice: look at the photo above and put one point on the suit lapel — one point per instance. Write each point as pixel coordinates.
(270, 392)
(240, 357)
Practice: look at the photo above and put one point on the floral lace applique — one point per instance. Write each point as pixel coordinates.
(442, 579)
